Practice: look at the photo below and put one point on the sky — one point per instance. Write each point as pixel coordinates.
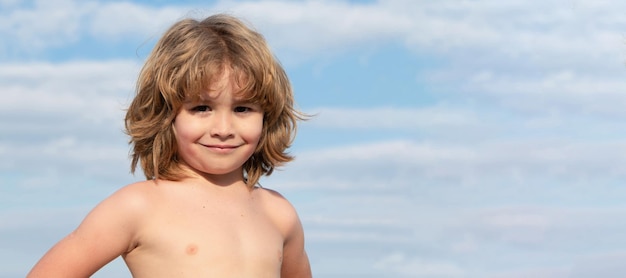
(451, 138)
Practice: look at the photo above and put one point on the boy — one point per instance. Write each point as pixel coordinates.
(213, 112)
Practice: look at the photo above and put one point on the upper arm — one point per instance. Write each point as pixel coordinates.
(106, 232)
(295, 260)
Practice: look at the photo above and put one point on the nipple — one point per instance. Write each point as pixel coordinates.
(191, 249)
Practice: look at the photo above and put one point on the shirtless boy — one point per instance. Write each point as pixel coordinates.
(214, 111)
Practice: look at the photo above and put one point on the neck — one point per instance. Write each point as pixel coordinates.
(233, 178)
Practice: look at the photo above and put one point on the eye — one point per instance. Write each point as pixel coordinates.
(201, 108)
(242, 109)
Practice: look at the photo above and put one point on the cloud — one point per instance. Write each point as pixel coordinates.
(88, 89)
(393, 118)
(479, 34)
(518, 162)
(515, 29)
(47, 24)
(569, 92)
(118, 20)
(607, 264)
(399, 263)
(66, 112)
(68, 87)
(489, 240)
(317, 26)
(9, 3)
(43, 26)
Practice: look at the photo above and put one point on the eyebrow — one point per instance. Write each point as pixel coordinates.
(236, 100)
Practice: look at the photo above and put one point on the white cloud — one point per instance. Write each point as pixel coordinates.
(65, 117)
(393, 118)
(48, 24)
(521, 162)
(456, 24)
(541, 272)
(483, 241)
(399, 263)
(477, 33)
(9, 3)
(571, 92)
(80, 90)
(317, 26)
(608, 264)
(117, 20)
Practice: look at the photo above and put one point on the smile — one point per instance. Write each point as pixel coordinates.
(222, 149)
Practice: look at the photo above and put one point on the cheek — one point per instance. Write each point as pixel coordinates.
(255, 131)
(183, 132)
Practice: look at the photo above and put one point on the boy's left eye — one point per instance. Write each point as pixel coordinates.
(240, 109)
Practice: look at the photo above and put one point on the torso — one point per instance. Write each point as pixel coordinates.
(190, 231)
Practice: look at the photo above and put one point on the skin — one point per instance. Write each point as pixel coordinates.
(208, 225)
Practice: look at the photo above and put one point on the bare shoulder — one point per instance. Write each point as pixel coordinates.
(125, 206)
(272, 196)
(278, 207)
(129, 203)
(135, 197)
(122, 210)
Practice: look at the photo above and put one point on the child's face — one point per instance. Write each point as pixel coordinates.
(218, 133)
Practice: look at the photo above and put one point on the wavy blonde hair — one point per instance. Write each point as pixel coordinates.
(189, 56)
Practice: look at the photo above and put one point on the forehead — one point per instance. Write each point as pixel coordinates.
(227, 81)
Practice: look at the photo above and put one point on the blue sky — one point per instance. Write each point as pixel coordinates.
(451, 138)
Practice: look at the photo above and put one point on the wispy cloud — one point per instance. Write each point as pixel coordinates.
(393, 118)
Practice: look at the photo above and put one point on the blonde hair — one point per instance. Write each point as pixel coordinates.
(189, 56)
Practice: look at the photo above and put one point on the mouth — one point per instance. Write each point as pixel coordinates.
(221, 148)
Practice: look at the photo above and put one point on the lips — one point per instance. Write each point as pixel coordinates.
(222, 149)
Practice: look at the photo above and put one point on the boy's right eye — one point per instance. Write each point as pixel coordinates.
(201, 108)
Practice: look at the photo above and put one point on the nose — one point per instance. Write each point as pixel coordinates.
(222, 125)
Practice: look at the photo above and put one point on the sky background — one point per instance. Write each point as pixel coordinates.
(452, 138)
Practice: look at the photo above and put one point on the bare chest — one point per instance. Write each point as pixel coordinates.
(208, 240)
